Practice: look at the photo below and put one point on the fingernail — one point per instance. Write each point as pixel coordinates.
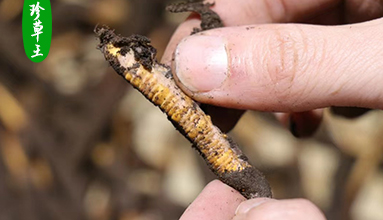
(246, 206)
(201, 63)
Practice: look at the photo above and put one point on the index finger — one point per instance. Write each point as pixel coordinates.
(216, 202)
(244, 12)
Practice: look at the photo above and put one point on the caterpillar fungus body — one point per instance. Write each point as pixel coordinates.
(134, 59)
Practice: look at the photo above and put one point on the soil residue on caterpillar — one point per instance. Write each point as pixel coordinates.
(209, 19)
(144, 53)
(134, 59)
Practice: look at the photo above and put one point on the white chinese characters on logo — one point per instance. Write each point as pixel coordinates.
(37, 27)
(36, 9)
(37, 51)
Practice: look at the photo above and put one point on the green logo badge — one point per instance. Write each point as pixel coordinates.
(37, 29)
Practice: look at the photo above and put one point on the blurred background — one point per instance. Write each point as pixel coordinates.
(77, 142)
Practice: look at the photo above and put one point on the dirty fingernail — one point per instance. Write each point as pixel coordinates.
(201, 63)
(246, 206)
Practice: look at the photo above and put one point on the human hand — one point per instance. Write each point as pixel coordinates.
(279, 67)
(220, 202)
(284, 67)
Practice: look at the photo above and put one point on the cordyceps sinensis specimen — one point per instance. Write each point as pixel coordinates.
(134, 58)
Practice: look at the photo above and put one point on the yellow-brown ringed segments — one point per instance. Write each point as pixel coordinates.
(134, 58)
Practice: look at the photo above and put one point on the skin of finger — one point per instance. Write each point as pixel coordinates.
(294, 209)
(217, 201)
(294, 67)
(245, 12)
(255, 12)
(356, 10)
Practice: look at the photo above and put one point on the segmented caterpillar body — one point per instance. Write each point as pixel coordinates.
(134, 59)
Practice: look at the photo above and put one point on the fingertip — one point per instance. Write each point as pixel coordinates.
(217, 201)
(218, 188)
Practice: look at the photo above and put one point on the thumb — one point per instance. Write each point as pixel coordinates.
(270, 209)
(284, 67)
